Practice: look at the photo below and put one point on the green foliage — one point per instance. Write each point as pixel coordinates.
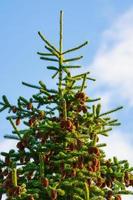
(59, 155)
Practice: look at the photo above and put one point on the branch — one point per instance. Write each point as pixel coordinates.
(76, 48)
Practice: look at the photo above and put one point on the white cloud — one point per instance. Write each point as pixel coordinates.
(125, 197)
(119, 144)
(7, 144)
(105, 100)
(113, 63)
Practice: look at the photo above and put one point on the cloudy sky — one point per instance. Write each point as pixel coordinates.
(107, 24)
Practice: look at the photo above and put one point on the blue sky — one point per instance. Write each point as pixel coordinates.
(107, 24)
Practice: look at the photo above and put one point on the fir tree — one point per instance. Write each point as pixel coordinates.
(59, 155)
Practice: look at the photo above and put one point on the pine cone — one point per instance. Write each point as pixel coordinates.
(45, 182)
(53, 194)
(118, 197)
(31, 198)
(17, 121)
(94, 150)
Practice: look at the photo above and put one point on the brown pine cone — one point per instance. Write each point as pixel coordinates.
(71, 146)
(75, 165)
(99, 182)
(131, 182)
(17, 121)
(67, 125)
(118, 197)
(109, 195)
(32, 121)
(14, 109)
(53, 194)
(25, 142)
(90, 168)
(31, 197)
(94, 150)
(89, 181)
(79, 144)
(127, 179)
(7, 160)
(80, 165)
(103, 185)
(50, 97)
(81, 96)
(17, 190)
(45, 182)
(96, 164)
(73, 173)
(20, 145)
(108, 163)
(29, 106)
(108, 183)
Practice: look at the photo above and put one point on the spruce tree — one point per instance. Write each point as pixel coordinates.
(59, 155)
